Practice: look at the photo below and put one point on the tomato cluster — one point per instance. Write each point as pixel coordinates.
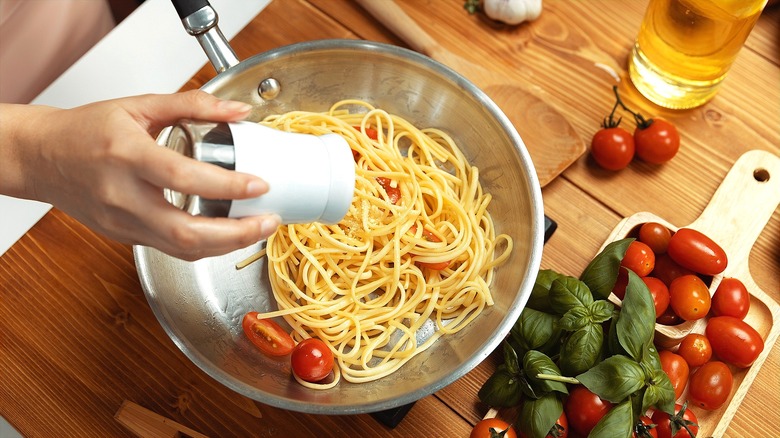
(677, 268)
(655, 141)
(311, 359)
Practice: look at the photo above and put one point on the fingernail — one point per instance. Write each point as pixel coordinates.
(269, 224)
(235, 106)
(256, 187)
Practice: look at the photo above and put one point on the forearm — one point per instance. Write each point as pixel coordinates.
(22, 134)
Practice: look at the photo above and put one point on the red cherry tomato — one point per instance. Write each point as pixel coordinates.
(644, 428)
(658, 142)
(391, 189)
(667, 269)
(492, 427)
(693, 250)
(584, 409)
(660, 294)
(267, 335)
(612, 148)
(639, 258)
(683, 417)
(312, 360)
(710, 385)
(429, 236)
(677, 369)
(619, 289)
(656, 236)
(734, 341)
(695, 348)
(689, 297)
(731, 298)
(669, 317)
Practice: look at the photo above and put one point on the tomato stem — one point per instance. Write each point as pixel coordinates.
(641, 122)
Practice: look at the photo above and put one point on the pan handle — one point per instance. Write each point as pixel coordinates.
(200, 20)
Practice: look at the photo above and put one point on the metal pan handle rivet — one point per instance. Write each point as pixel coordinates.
(269, 88)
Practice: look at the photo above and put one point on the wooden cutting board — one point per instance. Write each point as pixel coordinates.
(550, 139)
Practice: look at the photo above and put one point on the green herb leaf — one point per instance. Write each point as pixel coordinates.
(534, 330)
(614, 379)
(537, 417)
(575, 319)
(601, 274)
(539, 299)
(581, 350)
(618, 423)
(567, 292)
(535, 363)
(600, 311)
(659, 393)
(636, 325)
(501, 390)
(511, 361)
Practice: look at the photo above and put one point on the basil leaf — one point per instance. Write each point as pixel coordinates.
(575, 319)
(537, 417)
(581, 350)
(636, 325)
(614, 379)
(501, 390)
(659, 393)
(601, 274)
(534, 330)
(600, 311)
(617, 423)
(567, 292)
(511, 361)
(539, 299)
(535, 363)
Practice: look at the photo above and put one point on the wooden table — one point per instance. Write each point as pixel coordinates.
(77, 337)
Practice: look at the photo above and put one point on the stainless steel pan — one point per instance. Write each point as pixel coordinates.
(200, 304)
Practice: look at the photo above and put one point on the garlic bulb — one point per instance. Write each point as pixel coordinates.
(512, 11)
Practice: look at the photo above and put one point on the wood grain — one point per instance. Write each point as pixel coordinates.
(77, 337)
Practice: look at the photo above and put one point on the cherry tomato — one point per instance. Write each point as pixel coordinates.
(612, 148)
(695, 348)
(372, 133)
(689, 297)
(687, 423)
(644, 428)
(669, 317)
(658, 142)
(734, 341)
(656, 236)
(429, 236)
(710, 385)
(584, 409)
(267, 335)
(693, 250)
(639, 258)
(312, 360)
(619, 289)
(660, 294)
(492, 428)
(393, 192)
(667, 269)
(559, 430)
(677, 369)
(731, 298)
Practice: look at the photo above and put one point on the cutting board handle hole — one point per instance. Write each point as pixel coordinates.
(761, 175)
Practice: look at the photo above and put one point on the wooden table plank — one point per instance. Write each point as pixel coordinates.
(77, 337)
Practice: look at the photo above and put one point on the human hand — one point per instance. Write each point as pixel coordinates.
(100, 164)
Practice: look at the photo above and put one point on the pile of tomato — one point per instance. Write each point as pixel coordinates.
(311, 359)
(654, 140)
(676, 267)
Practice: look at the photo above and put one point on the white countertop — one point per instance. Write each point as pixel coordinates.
(148, 52)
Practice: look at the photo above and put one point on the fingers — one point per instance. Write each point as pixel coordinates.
(163, 167)
(160, 111)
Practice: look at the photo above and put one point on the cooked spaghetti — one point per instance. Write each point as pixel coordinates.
(417, 247)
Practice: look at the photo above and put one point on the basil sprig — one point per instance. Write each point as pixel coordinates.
(560, 338)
